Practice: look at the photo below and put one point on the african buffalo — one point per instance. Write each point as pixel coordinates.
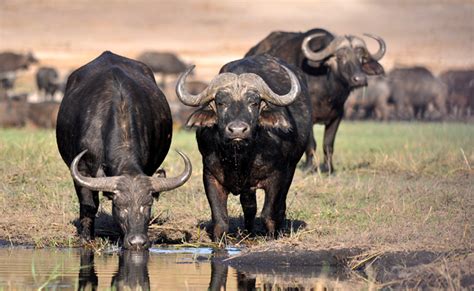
(13, 112)
(413, 90)
(47, 81)
(43, 114)
(253, 125)
(114, 130)
(11, 62)
(370, 101)
(164, 63)
(460, 100)
(333, 65)
(7, 82)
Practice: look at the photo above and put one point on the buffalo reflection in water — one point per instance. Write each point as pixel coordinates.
(132, 273)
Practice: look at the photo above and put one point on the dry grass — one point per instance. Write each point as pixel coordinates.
(402, 186)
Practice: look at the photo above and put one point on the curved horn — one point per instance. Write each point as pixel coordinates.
(183, 95)
(268, 94)
(382, 47)
(164, 184)
(207, 94)
(107, 184)
(321, 55)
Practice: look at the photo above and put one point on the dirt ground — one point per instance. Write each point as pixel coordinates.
(209, 33)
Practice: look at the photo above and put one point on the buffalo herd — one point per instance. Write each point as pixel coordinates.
(253, 120)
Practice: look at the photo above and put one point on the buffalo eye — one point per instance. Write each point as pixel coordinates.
(253, 104)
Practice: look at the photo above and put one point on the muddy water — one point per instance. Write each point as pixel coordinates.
(158, 269)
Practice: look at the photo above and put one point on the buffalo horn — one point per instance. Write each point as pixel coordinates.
(326, 52)
(107, 184)
(267, 92)
(160, 184)
(382, 47)
(207, 94)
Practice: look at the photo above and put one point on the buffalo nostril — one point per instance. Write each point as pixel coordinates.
(359, 79)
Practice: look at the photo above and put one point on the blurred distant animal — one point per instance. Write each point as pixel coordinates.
(370, 101)
(7, 82)
(334, 65)
(114, 130)
(43, 114)
(47, 82)
(11, 62)
(164, 63)
(253, 125)
(460, 100)
(413, 89)
(14, 111)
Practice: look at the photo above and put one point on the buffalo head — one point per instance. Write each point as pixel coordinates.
(132, 198)
(347, 56)
(238, 104)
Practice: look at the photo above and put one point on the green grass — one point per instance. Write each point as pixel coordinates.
(397, 184)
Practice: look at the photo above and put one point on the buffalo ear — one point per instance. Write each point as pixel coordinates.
(372, 68)
(203, 117)
(275, 120)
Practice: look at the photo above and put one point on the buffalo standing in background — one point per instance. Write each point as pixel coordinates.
(164, 63)
(11, 62)
(47, 81)
(14, 111)
(460, 100)
(413, 89)
(114, 130)
(334, 65)
(371, 101)
(43, 114)
(253, 127)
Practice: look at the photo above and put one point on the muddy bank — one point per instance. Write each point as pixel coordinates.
(394, 269)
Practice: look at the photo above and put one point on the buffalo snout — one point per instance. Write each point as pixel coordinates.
(136, 242)
(237, 130)
(359, 80)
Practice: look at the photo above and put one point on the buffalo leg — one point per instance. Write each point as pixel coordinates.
(249, 206)
(217, 197)
(89, 204)
(274, 207)
(310, 150)
(330, 131)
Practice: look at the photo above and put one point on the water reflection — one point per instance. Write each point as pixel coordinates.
(132, 273)
(219, 274)
(87, 275)
(80, 269)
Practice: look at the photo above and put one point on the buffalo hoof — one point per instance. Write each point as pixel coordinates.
(308, 167)
(220, 230)
(324, 168)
